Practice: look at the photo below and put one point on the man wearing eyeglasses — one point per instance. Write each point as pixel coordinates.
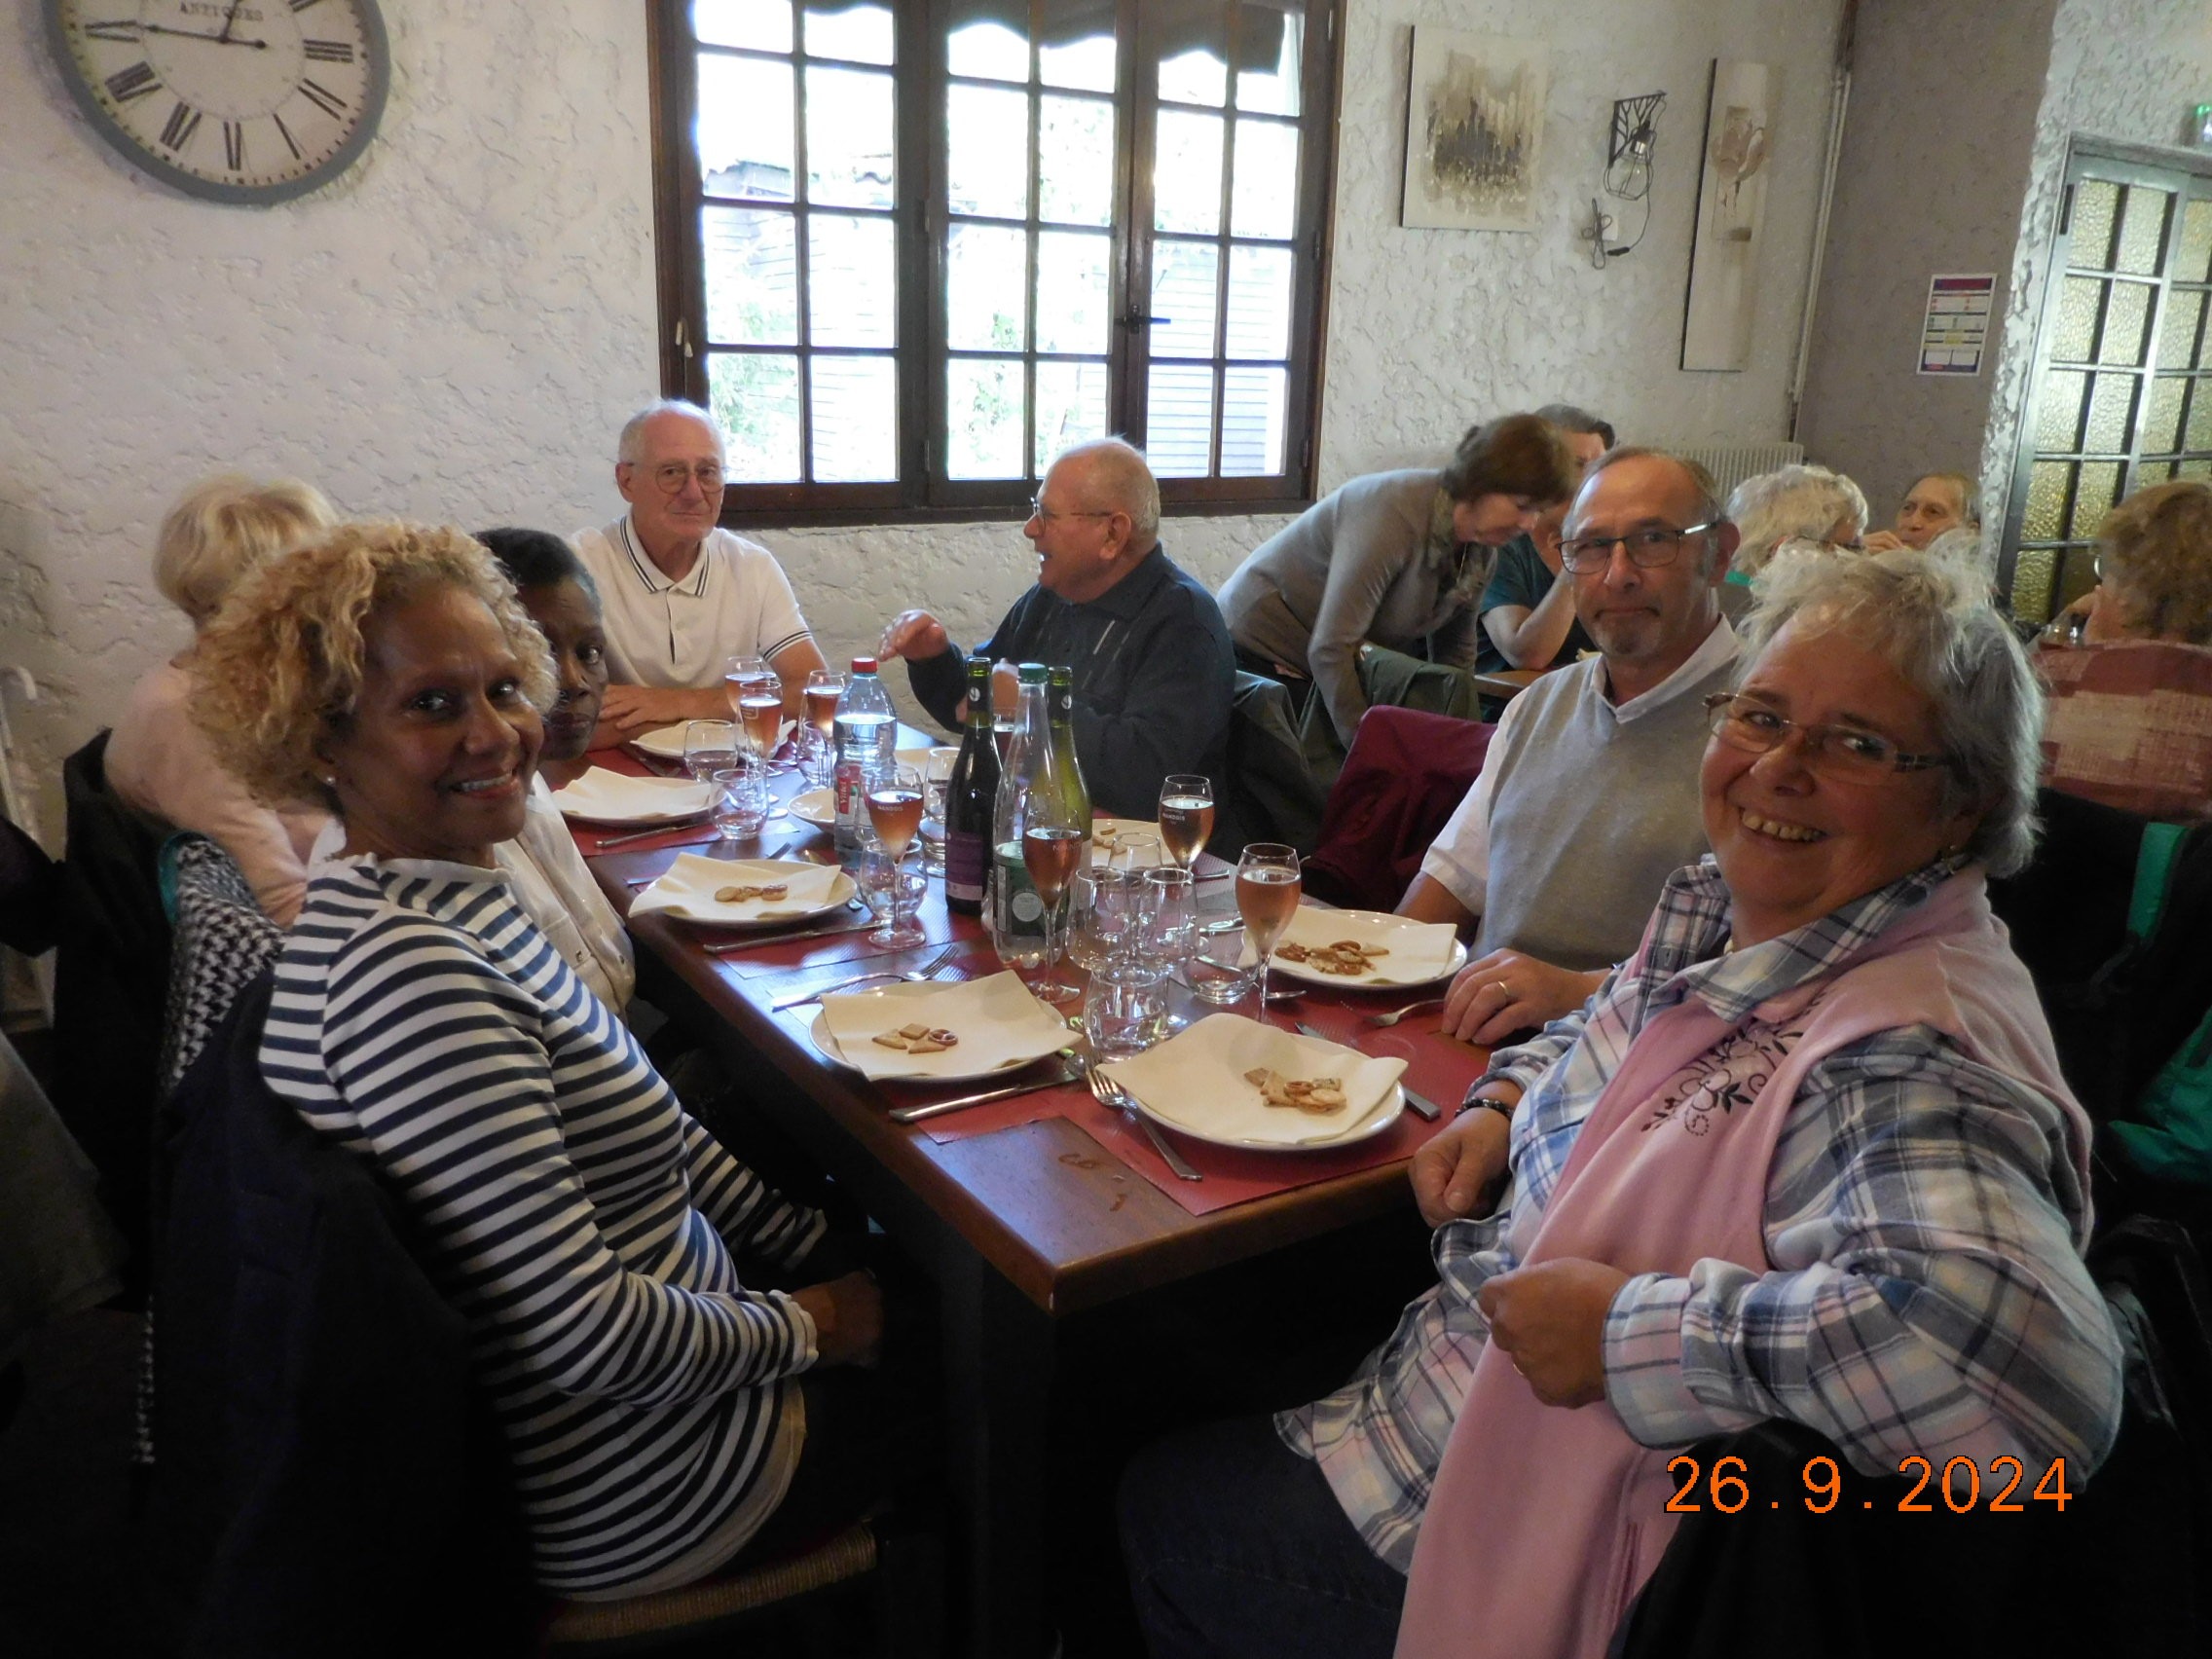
(681, 596)
(1154, 668)
(1588, 797)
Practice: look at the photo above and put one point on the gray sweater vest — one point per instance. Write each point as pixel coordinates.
(1589, 817)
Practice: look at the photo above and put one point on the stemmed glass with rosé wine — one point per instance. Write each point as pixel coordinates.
(1054, 847)
(895, 813)
(1269, 884)
(1186, 815)
(818, 731)
(756, 698)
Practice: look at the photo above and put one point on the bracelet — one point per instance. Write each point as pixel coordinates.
(1489, 1102)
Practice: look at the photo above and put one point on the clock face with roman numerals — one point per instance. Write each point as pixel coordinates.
(236, 101)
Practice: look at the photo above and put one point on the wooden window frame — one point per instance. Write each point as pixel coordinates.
(923, 494)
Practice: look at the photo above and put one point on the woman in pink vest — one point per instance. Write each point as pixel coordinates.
(1806, 1156)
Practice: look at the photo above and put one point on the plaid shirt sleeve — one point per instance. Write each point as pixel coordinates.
(1524, 1062)
(1928, 1286)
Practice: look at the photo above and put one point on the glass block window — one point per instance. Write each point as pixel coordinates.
(2123, 390)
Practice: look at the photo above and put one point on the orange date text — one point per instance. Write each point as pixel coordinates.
(1961, 1485)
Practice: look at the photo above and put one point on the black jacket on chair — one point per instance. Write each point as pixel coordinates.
(323, 1480)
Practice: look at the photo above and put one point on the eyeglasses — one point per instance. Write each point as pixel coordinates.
(671, 476)
(1840, 751)
(1647, 549)
(1044, 514)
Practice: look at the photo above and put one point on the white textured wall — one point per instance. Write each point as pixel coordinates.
(2119, 70)
(1432, 330)
(1934, 166)
(456, 328)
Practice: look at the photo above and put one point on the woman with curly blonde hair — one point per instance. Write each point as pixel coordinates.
(158, 761)
(2131, 714)
(588, 1230)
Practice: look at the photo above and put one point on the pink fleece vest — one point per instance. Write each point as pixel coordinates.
(1545, 1522)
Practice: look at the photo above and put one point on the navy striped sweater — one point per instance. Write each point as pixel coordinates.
(586, 1229)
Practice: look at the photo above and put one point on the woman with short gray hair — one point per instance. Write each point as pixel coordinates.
(1810, 501)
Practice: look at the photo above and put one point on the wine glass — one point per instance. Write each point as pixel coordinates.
(817, 734)
(709, 747)
(756, 698)
(1268, 889)
(1052, 845)
(895, 812)
(1186, 815)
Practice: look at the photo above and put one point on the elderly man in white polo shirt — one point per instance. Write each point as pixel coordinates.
(681, 596)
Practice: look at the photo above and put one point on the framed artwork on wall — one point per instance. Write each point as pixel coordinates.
(1474, 127)
(1731, 217)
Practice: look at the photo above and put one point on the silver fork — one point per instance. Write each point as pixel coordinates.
(912, 976)
(1111, 1093)
(1398, 1013)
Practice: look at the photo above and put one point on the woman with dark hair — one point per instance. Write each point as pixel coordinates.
(1395, 559)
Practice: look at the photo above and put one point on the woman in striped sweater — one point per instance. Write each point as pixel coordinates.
(589, 1232)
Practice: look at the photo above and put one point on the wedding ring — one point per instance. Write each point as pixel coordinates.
(1501, 984)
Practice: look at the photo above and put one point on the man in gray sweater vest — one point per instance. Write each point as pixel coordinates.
(1588, 797)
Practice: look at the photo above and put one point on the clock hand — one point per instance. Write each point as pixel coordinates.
(229, 17)
(197, 34)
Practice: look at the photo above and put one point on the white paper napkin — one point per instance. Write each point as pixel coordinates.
(1419, 951)
(1196, 1081)
(666, 742)
(687, 890)
(999, 1023)
(1106, 834)
(615, 797)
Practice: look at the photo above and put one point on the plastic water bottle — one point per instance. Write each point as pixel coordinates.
(865, 734)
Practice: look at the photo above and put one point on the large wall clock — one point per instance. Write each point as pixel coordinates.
(236, 101)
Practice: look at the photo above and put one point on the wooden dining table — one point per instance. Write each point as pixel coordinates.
(1025, 1211)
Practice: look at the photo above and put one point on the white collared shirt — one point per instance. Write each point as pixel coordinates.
(1458, 860)
(735, 600)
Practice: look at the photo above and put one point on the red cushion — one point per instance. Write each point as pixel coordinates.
(1406, 774)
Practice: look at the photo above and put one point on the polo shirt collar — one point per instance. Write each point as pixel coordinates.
(652, 577)
(1718, 649)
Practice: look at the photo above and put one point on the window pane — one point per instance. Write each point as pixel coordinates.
(982, 416)
(852, 282)
(752, 259)
(1071, 406)
(1072, 53)
(2047, 500)
(755, 399)
(848, 137)
(1179, 422)
(988, 50)
(2033, 573)
(1183, 285)
(2077, 326)
(2096, 208)
(986, 281)
(2127, 313)
(1186, 173)
(2058, 409)
(1072, 291)
(1252, 421)
(2142, 229)
(2194, 262)
(1075, 160)
(763, 24)
(1259, 306)
(2093, 495)
(2110, 406)
(1263, 199)
(1273, 90)
(2162, 416)
(2193, 470)
(856, 419)
(2177, 330)
(1195, 76)
(744, 127)
(2199, 434)
(987, 168)
(862, 33)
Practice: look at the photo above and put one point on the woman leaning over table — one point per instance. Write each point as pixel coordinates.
(1805, 1156)
(588, 1230)
(219, 531)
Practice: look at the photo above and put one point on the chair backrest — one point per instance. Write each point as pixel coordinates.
(1406, 774)
(1274, 795)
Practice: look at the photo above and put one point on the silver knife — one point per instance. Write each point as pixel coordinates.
(1422, 1104)
(729, 947)
(916, 1114)
(692, 824)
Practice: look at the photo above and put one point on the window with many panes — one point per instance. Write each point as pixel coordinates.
(911, 252)
(2123, 386)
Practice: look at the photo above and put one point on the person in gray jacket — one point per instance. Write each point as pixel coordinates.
(1395, 559)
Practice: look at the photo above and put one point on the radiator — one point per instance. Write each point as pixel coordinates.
(1731, 464)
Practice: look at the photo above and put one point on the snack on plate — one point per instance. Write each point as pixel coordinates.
(1347, 958)
(738, 895)
(1319, 1096)
(1105, 833)
(919, 1039)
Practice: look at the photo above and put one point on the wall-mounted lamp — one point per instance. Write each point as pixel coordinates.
(1628, 172)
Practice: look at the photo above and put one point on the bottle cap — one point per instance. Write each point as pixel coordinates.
(864, 665)
(1032, 674)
